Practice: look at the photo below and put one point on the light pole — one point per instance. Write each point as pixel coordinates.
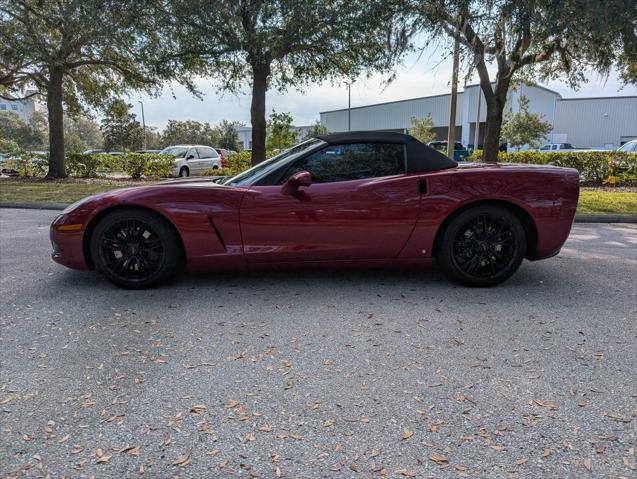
(451, 133)
(477, 131)
(143, 123)
(349, 106)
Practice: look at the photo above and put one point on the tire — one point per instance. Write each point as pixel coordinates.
(482, 246)
(184, 172)
(135, 248)
(215, 167)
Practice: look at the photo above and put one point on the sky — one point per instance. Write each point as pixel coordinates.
(419, 75)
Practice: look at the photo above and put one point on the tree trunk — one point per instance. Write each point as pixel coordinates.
(495, 114)
(57, 167)
(260, 75)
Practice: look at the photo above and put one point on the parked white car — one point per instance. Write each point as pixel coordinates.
(193, 159)
(629, 147)
(556, 147)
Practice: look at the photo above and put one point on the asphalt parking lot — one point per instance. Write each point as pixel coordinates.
(319, 374)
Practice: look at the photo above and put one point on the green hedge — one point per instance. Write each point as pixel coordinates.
(134, 165)
(236, 164)
(595, 167)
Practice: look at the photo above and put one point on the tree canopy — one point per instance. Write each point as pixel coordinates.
(317, 129)
(423, 129)
(280, 132)
(26, 135)
(120, 128)
(524, 128)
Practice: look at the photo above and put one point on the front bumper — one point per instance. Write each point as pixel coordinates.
(68, 246)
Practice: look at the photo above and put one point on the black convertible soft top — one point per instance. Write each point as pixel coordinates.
(420, 157)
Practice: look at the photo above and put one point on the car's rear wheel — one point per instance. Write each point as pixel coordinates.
(135, 248)
(482, 246)
(184, 172)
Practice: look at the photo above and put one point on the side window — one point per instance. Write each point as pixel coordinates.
(205, 152)
(193, 152)
(354, 161)
(202, 152)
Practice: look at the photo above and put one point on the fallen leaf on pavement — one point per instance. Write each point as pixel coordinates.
(182, 460)
(438, 459)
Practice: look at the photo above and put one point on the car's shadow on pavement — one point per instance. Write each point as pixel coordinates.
(544, 278)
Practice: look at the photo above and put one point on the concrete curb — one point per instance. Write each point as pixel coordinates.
(606, 218)
(578, 218)
(34, 206)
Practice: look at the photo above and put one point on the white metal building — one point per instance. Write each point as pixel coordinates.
(605, 122)
(23, 108)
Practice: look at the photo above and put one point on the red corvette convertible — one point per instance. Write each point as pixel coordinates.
(358, 198)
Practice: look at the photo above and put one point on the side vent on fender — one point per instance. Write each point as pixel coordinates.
(214, 228)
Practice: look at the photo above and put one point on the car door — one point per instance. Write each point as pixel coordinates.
(209, 158)
(360, 205)
(192, 161)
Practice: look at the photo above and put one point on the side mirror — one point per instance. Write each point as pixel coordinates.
(190, 157)
(300, 178)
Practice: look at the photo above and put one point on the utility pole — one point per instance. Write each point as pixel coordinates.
(143, 124)
(451, 137)
(349, 106)
(477, 132)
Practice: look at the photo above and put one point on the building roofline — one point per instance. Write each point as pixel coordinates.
(427, 97)
(541, 87)
(389, 102)
(615, 97)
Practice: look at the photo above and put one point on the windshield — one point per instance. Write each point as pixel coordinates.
(247, 176)
(176, 151)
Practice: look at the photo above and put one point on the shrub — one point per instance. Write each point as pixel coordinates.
(236, 163)
(83, 166)
(27, 164)
(159, 166)
(595, 167)
(134, 165)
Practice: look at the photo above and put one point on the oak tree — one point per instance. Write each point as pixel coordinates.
(78, 53)
(536, 40)
(278, 44)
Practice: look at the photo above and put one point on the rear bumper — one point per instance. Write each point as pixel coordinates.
(552, 234)
(68, 246)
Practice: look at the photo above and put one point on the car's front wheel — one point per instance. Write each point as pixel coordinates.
(482, 246)
(135, 248)
(184, 172)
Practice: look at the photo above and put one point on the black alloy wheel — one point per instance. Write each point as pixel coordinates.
(483, 246)
(135, 248)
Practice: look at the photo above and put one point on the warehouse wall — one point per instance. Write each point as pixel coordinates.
(596, 122)
(394, 115)
(584, 122)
